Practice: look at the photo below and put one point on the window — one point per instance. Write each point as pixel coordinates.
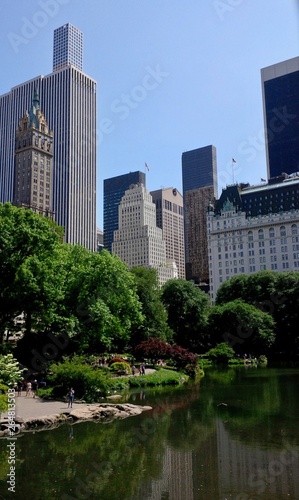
(282, 231)
(261, 234)
(250, 236)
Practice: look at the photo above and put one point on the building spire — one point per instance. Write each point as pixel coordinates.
(35, 101)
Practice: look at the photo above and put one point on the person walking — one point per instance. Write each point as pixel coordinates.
(28, 388)
(20, 387)
(34, 388)
(71, 396)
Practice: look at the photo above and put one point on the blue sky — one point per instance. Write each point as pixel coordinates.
(172, 76)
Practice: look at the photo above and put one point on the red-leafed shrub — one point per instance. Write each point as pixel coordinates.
(182, 357)
(154, 349)
(157, 349)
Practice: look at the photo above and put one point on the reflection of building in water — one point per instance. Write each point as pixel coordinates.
(176, 478)
(222, 467)
(255, 471)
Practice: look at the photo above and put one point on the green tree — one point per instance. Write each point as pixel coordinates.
(102, 298)
(222, 353)
(276, 294)
(10, 372)
(187, 307)
(28, 284)
(155, 316)
(242, 326)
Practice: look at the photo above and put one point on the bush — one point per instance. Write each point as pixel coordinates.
(154, 349)
(222, 353)
(3, 398)
(10, 372)
(88, 382)
(120, 366)
(115, 359)
(262, 360)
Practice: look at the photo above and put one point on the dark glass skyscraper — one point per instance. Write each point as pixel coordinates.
(199, 170)
(280, 86)
(114, 190)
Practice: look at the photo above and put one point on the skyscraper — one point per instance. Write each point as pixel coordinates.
(280, 88)
(170, 218)
(68, 47)
(34, 162)
(199, 169)
(138, 241)
(68, 100)
(114, 190)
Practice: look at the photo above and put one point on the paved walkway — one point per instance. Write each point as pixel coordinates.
(29, 407)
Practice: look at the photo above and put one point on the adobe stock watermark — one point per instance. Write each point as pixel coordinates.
(129, 101)
(222, 7)
(30, 27)
(256, 143)
(264, 477)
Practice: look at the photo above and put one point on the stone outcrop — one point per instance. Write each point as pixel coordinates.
(103, 412)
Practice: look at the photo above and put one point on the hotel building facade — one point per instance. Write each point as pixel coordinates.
(252, 229)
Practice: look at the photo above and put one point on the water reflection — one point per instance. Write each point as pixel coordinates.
(234, 435)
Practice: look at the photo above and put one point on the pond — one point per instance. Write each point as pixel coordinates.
(233, 435)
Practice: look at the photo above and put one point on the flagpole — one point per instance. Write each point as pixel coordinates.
(233, 172)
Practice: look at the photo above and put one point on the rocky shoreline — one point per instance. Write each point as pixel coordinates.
(101, 412)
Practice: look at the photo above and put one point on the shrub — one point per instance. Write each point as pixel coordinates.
(120, 366)
(115, 359)
(3, 398)
(154, 349)
(10, 372)
(221, 353)
(88, 382)
(262, 360)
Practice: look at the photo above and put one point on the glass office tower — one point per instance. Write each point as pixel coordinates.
(280, 87)
(199, 172)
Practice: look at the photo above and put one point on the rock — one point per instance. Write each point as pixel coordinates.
(107, 412)
(104, 412)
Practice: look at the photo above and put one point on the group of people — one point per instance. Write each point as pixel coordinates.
(141, 369)
(30, 387)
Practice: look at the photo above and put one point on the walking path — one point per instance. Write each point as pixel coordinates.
(29, 407)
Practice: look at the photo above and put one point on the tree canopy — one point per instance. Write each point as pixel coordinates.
(187, 307)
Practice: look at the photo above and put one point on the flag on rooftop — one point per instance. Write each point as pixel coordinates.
(147, 167)
(233, 160)
(263, 180)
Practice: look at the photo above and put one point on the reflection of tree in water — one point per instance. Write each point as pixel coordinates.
(257, 413)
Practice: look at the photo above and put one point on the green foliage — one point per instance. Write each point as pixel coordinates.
(46, 393)
(222, 353)
(160, 377)
(3, 398)
(242, 326)
(262, 360)
(276, 294)
(155, 316)
(10, 372)
(122, 366)
(102, 296)
(88, 382)
(187, 308)
(29, 281)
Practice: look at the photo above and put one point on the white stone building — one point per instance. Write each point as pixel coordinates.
(247, 232)
(138, 241)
